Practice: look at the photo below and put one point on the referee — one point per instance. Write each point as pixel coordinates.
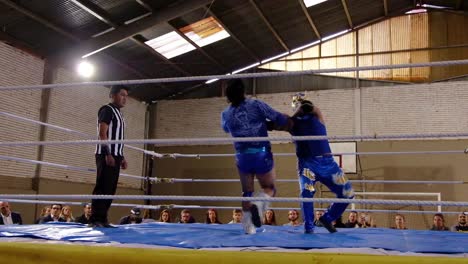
(109, 157)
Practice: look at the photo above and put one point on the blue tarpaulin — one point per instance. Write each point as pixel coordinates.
(218, 236)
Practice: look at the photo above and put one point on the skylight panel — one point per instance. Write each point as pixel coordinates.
(202, 33)
(205, 32)
(170, 45)
(309, 3)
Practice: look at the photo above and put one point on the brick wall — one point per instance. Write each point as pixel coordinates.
(424, 108)
(77, 109)
(74, 108)
(18, 68)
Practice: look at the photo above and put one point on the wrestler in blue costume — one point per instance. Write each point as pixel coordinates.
(316, 164)
(247, 118)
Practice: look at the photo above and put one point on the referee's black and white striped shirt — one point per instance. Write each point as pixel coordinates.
(111, 115)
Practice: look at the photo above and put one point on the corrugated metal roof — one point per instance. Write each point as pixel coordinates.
(289, 20)
(33, 33)
(121, 10)
(228, 48)
(242, 19)
(396, 5)
(329, 17)
(362, 11)
(445, 3)
(8, 17)
(66, 14)
(196, 64)
(251, 36)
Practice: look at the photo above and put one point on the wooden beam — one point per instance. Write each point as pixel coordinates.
(311, 22)
(385, 5)
(67, 34)
(145, 5)
(233, 36)
(21, 45)
(97, 44)
(348, 16)
(140, 41)
(95, 11)
(104, 16)
(206, 55)
(39, 19)
(268, 24)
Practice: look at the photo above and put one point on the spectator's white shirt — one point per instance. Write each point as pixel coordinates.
(7, 220)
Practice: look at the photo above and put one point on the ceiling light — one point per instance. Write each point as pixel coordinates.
(85, 69)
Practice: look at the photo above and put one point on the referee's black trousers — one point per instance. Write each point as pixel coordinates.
(106, 183)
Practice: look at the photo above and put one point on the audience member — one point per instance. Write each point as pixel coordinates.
(318, 214)
(269, 218)
(352, 220)
(400, 222)
(44, 212)
(338, 223)
(86, 216)
(186, 217)
(9, 217)
(67, 214)
(461, 226)
(212, 217)
(54, 215)
(365, 221)
(147, 218)
(236, 216)
(439, 223)
(293, 217)
(132, 218)
(165, 216)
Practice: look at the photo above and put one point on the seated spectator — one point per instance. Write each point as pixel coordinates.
(186, 217)
(54, 215)
(365, 221)
(439, 223)
(212, 217)
(461, 226)
(44, 212)
(84, 218)
(67, 214)
(338, 223)
(9, 217)
(400, 222)
(318, 214)
(269, 218)
(132, 218)
(147, 218)
(352, 220)
(165, 216)
(236, 216)
(293, 217)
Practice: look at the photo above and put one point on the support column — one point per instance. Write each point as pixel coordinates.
(49, 75)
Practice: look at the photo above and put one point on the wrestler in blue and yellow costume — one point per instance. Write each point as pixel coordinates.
(316, 164)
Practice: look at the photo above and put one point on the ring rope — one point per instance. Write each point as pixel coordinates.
(230, 199)
(363, 153)
(68, 167)
(242, 75)
(152, 153)
(184, 206)
(179, 180)
(201, 141)
(176, 180)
